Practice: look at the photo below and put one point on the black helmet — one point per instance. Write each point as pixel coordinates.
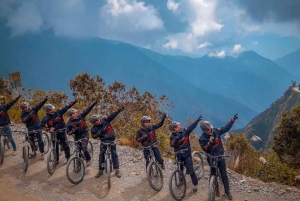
(173, 125)
(71, 111)
(145, 118)
(48, 108)
(94, 118)
(24, 105)
(206, 125)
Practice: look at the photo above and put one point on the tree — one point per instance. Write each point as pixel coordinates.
(287, 141)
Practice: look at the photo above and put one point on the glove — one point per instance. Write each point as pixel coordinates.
(164, 115)
(46, 98)
(121, 109)
(19, 96)
(95, 102)
(199, 118)
(235, 117)
(72, 103)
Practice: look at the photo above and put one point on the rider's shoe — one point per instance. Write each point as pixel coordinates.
(100, 172)
(88, 162)
(195, 188)
(162, 166)
(42, 156)
(229, 196)
(14, 152)
(118, 173)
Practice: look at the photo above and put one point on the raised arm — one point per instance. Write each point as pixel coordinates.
(11, 103)
(71, 104)
(88, 109)
(38, 106)
(114, 114)
(159, 124)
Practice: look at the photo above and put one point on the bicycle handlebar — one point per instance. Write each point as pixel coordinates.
(152, 145)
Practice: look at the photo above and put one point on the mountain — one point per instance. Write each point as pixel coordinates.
(249, 78)
(264, 124)
(49, 62)
(290, 62)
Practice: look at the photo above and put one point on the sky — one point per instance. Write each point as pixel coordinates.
(186, 27)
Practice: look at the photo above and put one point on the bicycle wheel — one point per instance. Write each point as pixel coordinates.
(1, 151)
(198, 164)
(90, 149)
(51, 161)
(75, 170)
(108, 171)
(177, 184)
(212, 188)
(46, 141)
(25, 157)
(154, 176)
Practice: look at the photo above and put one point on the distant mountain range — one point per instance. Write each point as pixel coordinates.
(290, 62)
(264, 124)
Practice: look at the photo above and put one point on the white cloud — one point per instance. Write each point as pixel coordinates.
(203, 45)
(220, 54)
(171, 44)
(171, 5)
(237, 49)
(199, 14)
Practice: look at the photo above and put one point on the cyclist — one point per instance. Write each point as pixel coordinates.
(5, 120)
(210, 141)
(103, 129)
(54, 120)
(147, 137)
(76, 125)
(29, 116)
(180, 141)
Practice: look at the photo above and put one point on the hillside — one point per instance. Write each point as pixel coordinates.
(290, 62)
(264, 125)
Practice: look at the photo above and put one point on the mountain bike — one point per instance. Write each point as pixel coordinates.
(108, 160)
(154, 172)
(215, 176)
(34, 145)
(3, 142)
(75, 169)
(52, 160)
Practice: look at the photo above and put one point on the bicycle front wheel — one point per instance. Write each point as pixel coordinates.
(177, 184)
(75, 170)
(1, 151)
(51, 161)
(154, 176)
(25, 157)
(212, 188)
(198, 164)
(108, 171)
(90, 149)
(46, 141)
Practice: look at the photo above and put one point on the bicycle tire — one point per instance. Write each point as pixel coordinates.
(198, 164)
(108, 172)
(177, 179)
(2, 149)
(154, 172)
(51, 162)
(212, 188)
(46, 140)
(90, 149)
(77, 166)
(25, 157)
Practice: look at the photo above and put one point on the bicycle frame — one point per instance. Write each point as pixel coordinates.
(151, 155)
(178, 163)
(107, 154)
(4, 137)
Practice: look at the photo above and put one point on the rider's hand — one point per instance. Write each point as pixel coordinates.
(199, 118)
(235, 117)
(46, 98)
(51, 129)
(73, 102)
(211, 139)
(164, 115)
(121, 109)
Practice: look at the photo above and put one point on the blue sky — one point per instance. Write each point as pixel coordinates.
(188, 27)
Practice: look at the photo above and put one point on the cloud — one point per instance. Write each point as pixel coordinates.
(171, 5)
(220, 54)
(237, 49)
(203, 45)
(200, 17)
(172, 44)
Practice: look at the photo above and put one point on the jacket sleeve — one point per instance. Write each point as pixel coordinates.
(64, 109)
(138, 136)
(38, 106)
(11, 103)
(226, 128)
(26, 118)
(43, 122)
(112, 116)
(95, 133)
(173, 141)
(158, 125)
(206, 145)
(191, 127)
(88, 110)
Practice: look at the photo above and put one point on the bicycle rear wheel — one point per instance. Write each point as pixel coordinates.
(1, 151)
(154, 176)
(212, 188)
(46, 141)
(51, 161)
(108, 172)
(177, 184)
(198, 164)
(25, 157)
(75, 170)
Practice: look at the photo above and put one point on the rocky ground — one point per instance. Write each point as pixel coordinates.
(37, 184)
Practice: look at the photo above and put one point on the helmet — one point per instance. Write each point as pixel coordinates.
(24, 105)
(71, 111)
(94, 118)
(173, 125)
(206, 125)
(48, 107)
(145, 118)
